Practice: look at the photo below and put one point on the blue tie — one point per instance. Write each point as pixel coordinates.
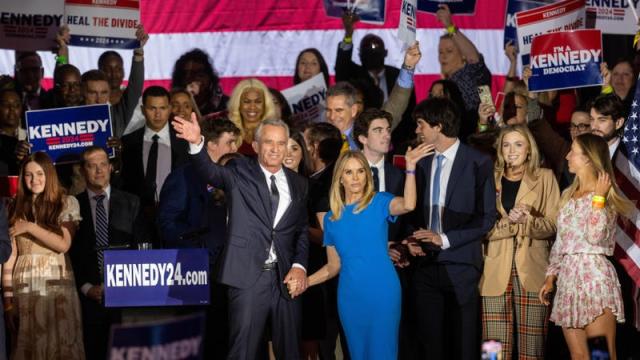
(435, 196)
(102, 230)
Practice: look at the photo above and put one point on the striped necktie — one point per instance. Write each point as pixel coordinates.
(102, 229)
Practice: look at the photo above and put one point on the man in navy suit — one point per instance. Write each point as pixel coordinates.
(151, 153)
(267, 243)
(456, 208)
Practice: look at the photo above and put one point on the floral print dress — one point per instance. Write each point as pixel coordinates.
(587, 282)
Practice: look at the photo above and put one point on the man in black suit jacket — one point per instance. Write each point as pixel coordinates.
(267, 243)
(456, 208)
(142, 176)
(124, 231)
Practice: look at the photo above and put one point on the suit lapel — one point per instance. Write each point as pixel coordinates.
(263, 191)
(293, 191)
(137, 148)
(459, 162)
(85, 212)
(526, 192)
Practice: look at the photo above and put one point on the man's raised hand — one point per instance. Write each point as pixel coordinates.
(187, 129)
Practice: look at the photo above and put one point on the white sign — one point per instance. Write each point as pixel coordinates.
(106, 25)
(30, 25)
(615, 17)
(408, 21)
(307, 100)
(562, 16)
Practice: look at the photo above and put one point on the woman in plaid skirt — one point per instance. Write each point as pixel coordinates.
(517, 248)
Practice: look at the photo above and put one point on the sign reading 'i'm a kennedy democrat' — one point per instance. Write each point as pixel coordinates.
(65, 133)
(566, 60)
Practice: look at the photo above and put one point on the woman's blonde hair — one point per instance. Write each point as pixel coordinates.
(533, 158)
(234, 102)
(596, 149)
(337, 193)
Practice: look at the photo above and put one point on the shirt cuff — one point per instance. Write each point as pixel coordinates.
(296, 265)
(194, 149)
(84, 289)
(445, 242)
(405, 78)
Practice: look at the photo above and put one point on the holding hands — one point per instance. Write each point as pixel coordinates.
(297, 282)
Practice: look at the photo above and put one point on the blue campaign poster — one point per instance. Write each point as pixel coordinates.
(170, 277)
(179, 338)
(64, 133)
(458, 7)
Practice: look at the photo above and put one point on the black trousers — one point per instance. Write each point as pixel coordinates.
(249, 311)
(447, 311)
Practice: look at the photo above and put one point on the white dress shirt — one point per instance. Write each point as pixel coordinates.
(445, 174)
(163, 168)
(380, 166)
(284, 201)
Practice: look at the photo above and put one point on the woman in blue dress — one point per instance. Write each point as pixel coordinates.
(355, 236)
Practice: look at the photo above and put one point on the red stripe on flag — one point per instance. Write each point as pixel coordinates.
(629, 265)
(232, 15)
(625, 185)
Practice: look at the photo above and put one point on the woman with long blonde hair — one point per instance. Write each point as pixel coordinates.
(250, 104)
(588, 299)
(40, 296)
(355, 237)
(517, 247)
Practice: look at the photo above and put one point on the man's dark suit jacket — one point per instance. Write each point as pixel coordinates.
(469, 209)
(250, 227)
(188, 217)
(8, 161)
(5, 252)
(132, 164)
(125, 230)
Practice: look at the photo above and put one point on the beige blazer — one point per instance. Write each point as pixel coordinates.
(532, 239)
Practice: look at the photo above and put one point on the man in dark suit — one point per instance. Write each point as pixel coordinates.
(267, 242)
(151, 153)
(189, 215)
(456, 208)
(110, 219)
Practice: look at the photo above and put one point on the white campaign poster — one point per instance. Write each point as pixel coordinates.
(615, 17)
(561, 16)
(307, 100)
(408, 21)
(103, 24)
(30, 25)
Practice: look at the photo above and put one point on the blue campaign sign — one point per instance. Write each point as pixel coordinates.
(514, 6)
(156, 277)
(369, 11)
(64, 133)
(566, 60)
(180, 338)
(459, 7)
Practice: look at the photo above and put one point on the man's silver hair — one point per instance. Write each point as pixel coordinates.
(272, 122)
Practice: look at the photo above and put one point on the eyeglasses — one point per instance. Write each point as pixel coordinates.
(579, 127)
(69, 85)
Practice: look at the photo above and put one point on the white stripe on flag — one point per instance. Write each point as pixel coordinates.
(271, 53)
(629, 247)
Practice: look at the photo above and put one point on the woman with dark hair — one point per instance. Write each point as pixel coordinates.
(297, 157)
(310, 63)
(194, 72)
(40, 295)
(282, 109)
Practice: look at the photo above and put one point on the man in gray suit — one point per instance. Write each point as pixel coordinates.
(267, 244)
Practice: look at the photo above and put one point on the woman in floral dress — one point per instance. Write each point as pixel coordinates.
(40, 296)
(588, 300)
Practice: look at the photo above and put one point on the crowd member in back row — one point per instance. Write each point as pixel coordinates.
(111, 218)
(194, 72)
(151, 153)
(517, 247)
(456, 208)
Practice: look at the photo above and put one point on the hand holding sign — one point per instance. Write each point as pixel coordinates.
(141, 35)
(606, 75)
(349, 18)
(412, 56)
(444, 15)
